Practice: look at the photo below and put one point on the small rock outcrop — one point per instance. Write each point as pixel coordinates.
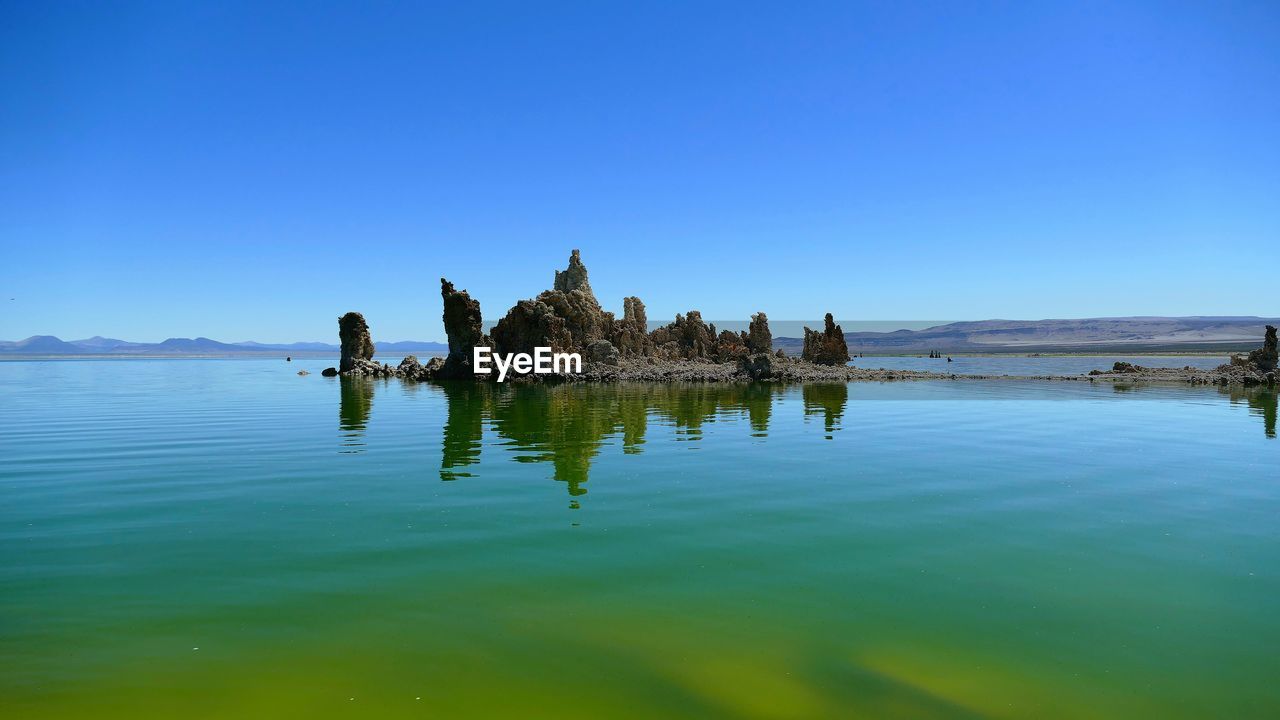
(353, 334)
(759, 339)
(329, 372)
(464, 326)
(827, 347)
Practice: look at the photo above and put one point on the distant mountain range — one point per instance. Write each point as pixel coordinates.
(1104, 335)
(50, 345)
(1121, 334)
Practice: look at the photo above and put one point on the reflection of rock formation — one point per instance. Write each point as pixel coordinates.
(355, 405)
(827, 347)
(1261, 402)
(353, 333)
(568, 425)
(758, 400)
(827, 400)
(463, 428)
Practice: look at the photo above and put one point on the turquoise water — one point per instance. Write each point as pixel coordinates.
(223, 538)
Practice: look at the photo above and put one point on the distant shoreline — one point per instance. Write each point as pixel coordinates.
(311, 355)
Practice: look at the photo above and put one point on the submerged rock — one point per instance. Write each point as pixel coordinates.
(353, 334)
(827, 347)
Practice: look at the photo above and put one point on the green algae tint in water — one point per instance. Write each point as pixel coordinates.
(205, 539)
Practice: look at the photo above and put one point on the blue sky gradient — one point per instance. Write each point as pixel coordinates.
(252, 170)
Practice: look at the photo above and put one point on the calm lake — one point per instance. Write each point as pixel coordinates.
(224, 538)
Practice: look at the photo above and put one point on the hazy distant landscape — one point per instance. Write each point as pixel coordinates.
(45, 345)
(1088, 335)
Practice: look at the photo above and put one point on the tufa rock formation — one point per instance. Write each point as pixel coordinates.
(602, 351)
(688, 338)
(758, 338)
(1256, 368)
(573, 277)
(353, 333)
(1266, 358)
(827, 347)
(530, 324)
(465, 329)
(567, 318)
(731, 346)
(631, 334)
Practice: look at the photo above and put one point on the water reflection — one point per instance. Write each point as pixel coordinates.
(566, 425)
(463, 427)
(827, 400)
(1261, 402)
(353, 411)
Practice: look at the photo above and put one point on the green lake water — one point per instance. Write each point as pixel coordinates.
(225, 539)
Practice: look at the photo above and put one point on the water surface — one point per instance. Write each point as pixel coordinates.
(222, 538)
(1030, 365)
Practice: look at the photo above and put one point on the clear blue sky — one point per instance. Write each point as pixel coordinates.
(251, 170)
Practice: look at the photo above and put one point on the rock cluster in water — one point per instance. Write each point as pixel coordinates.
(569, 318)
(827, 347)
(1259, 366)
(1256, 368)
